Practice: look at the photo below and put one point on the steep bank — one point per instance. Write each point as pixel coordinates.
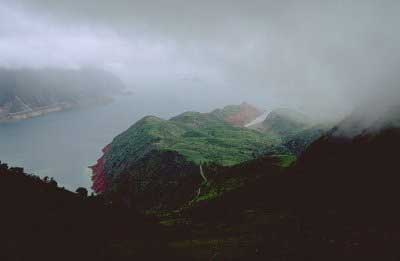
(99, 174)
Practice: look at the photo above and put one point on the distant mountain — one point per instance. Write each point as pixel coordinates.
(295, 130)
(155, 153)
(26, 93)
(283, 122)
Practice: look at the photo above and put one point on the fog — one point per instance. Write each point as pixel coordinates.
(322, 57)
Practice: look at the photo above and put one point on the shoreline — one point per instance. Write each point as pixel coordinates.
(20, 116)
(42, 111)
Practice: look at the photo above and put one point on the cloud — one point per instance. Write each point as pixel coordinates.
(317, 55)
(31, 40)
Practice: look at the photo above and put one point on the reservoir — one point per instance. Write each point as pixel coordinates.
(63, 144)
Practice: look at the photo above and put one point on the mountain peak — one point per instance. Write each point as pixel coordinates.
(238, 115)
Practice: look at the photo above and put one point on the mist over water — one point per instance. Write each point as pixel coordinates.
(325, 57)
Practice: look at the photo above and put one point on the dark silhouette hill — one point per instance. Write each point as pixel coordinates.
(40, 221)
(337, 202)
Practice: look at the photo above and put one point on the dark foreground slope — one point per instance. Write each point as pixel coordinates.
(40, 221)
(338, 202)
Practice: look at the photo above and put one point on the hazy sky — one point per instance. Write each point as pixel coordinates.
(323, 56)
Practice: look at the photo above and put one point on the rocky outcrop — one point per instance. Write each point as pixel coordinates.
(245, 115)
(239, 115)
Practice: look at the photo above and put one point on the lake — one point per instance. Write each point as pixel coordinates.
(62, 145)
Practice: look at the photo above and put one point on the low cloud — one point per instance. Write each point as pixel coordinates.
(325, 58)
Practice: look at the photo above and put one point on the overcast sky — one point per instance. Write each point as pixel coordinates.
(322, 55)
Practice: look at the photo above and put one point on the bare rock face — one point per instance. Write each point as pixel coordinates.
(238, 115)
(246, 114)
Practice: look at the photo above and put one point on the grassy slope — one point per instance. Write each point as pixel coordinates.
(224, 221)
(231, 179)
(339, 202)
(213, 140)
(199, 137)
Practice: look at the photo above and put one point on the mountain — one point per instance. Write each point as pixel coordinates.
(338, 201)
(154, 154)
(154, 158)
(356, 155)
(347, 184)
(283, 122)
(295, 130)
(26, 93)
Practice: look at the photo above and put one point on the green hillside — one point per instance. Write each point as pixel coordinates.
(199, 137)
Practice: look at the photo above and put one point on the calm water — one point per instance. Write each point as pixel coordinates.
(63, 145)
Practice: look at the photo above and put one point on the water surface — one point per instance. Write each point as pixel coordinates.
(62, 145)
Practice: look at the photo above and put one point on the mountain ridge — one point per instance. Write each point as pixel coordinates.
(188, 140)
